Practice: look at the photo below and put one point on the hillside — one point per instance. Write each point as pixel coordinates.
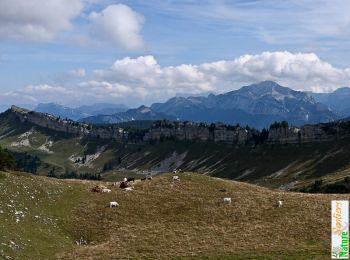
(160, 218)
(284, 157)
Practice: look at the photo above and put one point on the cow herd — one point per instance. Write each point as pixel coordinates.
(126, 186)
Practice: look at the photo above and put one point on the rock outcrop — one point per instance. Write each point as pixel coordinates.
(190, 131)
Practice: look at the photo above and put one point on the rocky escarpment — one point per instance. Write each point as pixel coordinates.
(69, 126)
(308, 133)
(198, 131)
(190, 131)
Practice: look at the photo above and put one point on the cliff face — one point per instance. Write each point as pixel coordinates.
(192, 131)
(68, 126)
(310, 133)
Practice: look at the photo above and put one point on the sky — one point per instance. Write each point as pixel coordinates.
(78, 52)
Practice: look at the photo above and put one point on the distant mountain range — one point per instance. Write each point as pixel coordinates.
(80, 112)
(140, 113)
(338, 100)
(257, 105)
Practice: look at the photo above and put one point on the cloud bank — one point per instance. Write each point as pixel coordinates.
(134, 81)
(37, 20)
(43, 21)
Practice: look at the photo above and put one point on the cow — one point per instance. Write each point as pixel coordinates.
(148, 177)
(128, 189)
(106, 190)
(227, 200)
(113, 204)
(130, 180)
(176, 178)
(123, 184)
(96, 189)
(279, 203)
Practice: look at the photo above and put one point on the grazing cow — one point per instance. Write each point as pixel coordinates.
(106, 190)
(81, 242)
(128, 189)
(123, 184)
(280, 203)
(148, 177)
(96, 189)
(176, 178)
(131, 180)
(227, 200)
(113, 204)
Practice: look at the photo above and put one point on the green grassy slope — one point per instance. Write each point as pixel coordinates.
(161, 219)
(36, 215)
(288, 166)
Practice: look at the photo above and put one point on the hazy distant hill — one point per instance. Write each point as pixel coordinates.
(140, 113)
(79, 112)
(339, 100)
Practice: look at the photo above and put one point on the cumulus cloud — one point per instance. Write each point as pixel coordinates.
(36, 20)
(301, 71)
(42, 21)
(120, 25)
(145, 72)
(142, 80)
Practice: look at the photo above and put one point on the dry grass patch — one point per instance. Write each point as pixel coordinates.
(166, 219)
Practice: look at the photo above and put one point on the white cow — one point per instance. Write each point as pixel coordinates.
(113, 204)
(176, 178)
(128, 189)
(280, 203)
(106, 190)
(227, 200)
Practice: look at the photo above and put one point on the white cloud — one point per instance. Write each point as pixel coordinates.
(77, 73)
(145, 72)
(104, 88)
(301, 71)
(44, 88)
(120, 25)
(142, 80)
(42, 21)
(36, 20)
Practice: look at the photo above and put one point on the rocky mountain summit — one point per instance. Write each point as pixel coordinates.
(257, 105)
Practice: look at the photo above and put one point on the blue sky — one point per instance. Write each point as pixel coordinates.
(137, 52)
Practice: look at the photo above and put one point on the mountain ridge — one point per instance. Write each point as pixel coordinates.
(257, 105)
(79, 112)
